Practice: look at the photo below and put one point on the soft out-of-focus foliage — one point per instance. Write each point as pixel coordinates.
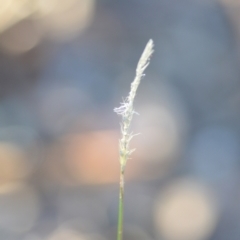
(64, 65)
(25, 24)
(186, 210)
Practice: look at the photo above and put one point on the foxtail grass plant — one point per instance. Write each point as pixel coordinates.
(126, 110)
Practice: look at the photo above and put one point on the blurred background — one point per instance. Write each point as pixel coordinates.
(64, 66)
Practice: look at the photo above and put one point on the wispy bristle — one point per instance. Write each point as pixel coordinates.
(126, 109)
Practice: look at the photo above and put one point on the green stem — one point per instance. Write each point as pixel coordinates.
(120, 206)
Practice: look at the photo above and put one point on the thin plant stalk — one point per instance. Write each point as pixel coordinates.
(120, 207)
(126, 111)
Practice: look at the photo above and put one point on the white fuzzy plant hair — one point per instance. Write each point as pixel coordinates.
(126, 109)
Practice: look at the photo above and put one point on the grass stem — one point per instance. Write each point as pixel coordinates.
(120, 206)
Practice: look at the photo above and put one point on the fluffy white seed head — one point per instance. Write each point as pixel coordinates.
(126, 109)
